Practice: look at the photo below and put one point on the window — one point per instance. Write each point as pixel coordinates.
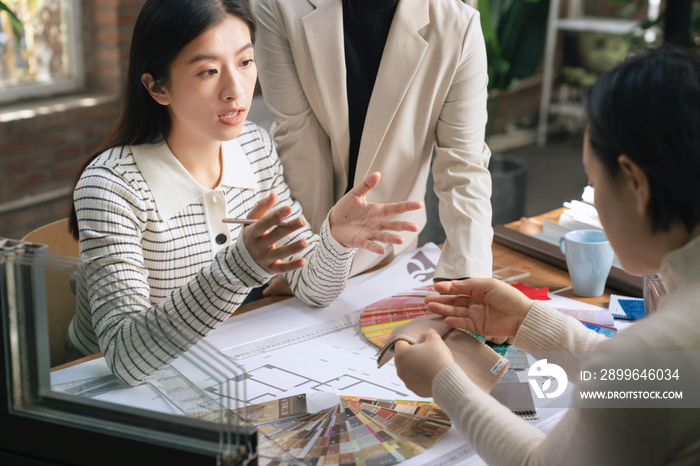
(47, 57)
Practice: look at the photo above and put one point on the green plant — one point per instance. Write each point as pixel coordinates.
(16, 23)
(514, 32)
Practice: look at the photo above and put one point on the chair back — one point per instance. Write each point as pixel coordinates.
(60, 300)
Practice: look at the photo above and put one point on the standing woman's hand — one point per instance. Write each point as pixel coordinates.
(357, 223)
(481, 305)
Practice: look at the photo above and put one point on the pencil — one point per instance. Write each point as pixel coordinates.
(250, 221)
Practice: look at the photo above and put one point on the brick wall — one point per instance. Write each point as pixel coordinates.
(43, 153)
(108, 25)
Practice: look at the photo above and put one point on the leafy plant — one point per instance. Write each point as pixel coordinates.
(16, 23)
(514, 32)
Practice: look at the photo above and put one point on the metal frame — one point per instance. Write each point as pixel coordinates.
(38, 423)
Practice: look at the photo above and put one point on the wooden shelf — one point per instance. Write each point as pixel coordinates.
(572, 109)
(577, 22)
(601, 25)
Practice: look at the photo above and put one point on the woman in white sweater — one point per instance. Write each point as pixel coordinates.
(642, 155)
(160, 269)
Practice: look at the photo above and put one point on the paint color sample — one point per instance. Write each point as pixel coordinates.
(359, 431)
(608, 332)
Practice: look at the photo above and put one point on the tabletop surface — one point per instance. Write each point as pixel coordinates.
(502, 256)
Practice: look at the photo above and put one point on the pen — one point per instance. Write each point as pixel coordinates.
(250, 221)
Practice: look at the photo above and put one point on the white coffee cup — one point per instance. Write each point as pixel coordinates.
(589, 257)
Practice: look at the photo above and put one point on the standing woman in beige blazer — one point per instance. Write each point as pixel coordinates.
(357, 86)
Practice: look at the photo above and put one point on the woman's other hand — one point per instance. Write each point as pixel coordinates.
(260, 238)
(481, 305)
(277, 287)
(418, 365)
(357, 223)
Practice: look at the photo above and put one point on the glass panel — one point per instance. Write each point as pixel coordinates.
(34, 286)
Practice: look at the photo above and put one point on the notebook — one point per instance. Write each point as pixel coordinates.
(626, 307)
(517, 397)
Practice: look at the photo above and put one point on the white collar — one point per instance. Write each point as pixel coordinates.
(174, 188)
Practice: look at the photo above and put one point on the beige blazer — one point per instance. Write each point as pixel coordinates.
(430, 93)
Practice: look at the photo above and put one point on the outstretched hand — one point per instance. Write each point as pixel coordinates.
(357, 223)
(481, 305)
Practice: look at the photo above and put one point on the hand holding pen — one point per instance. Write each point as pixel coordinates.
(265, 229)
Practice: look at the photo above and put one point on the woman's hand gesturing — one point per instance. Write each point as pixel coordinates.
(357, 223)
(481, 305)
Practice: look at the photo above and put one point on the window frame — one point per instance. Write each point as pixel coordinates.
(75, 81)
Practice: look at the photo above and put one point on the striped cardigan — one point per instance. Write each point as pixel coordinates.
(160, 270)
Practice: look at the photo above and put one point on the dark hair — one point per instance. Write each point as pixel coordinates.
(648, 108)
(162, 30)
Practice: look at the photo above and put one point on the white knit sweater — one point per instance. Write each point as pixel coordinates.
(592, 436)
(160, 270)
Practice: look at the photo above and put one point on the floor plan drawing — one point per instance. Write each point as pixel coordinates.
(270, 381)
(343, 363)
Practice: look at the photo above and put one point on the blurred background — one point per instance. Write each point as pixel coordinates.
(63, 64)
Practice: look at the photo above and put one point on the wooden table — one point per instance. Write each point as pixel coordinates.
(502, 256)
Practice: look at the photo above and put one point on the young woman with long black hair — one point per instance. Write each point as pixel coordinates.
(160, 269)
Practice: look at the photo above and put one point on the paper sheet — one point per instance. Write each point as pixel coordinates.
(142, 396)
(407, 271)
(341, 363)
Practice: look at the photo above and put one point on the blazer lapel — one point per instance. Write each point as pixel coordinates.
(403, 54)
(324, 32)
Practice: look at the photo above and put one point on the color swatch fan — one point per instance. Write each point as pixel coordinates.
(379, 319)
(360, 431)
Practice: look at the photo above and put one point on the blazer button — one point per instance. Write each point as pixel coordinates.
(221, 238)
